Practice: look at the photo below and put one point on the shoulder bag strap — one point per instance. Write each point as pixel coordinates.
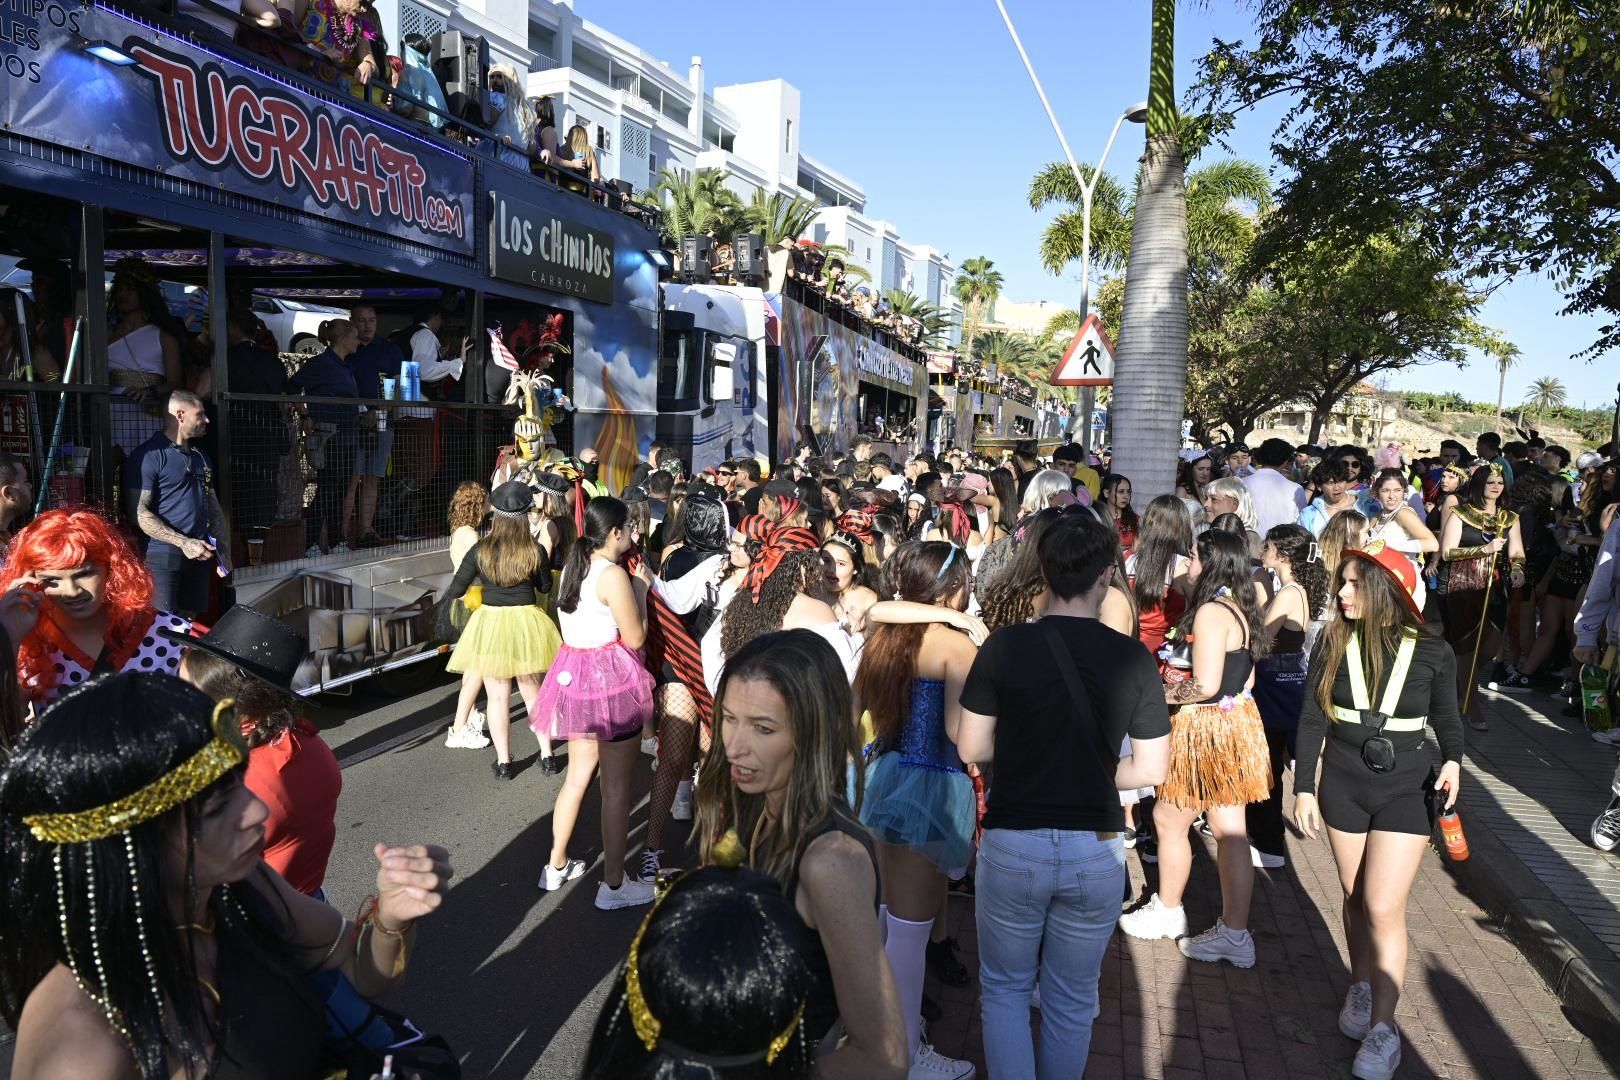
(1064, 661)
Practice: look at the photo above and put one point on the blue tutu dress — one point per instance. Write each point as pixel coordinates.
(917, 794)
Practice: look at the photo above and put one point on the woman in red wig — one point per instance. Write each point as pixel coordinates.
(97, 613)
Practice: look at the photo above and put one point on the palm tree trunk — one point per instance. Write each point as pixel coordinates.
(1150, 377)
(1501, 389)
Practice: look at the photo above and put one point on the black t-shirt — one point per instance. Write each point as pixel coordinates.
(1055, 757)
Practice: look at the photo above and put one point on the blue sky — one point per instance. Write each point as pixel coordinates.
(927, 106)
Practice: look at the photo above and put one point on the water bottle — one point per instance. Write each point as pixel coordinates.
(1595, 698)
(410, 381)
(1451, 831)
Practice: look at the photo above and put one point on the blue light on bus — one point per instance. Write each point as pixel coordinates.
(109, 53)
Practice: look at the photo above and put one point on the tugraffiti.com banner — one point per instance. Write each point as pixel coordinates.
(182, 111)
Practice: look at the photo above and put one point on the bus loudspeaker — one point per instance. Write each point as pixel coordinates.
(749, 258)
(696, 252)
(461, 64)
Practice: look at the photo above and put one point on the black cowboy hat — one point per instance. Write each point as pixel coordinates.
(259, 645)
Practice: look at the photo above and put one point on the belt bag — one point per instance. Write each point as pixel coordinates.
(1378, 752)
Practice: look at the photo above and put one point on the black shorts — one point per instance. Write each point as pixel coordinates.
(1354, 799)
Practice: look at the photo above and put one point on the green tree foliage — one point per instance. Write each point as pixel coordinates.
(936, 323)
(1489, 125)
(1223, 201)
(1344, 312)
(780, 217)
(1546, 394)
(978, 286)
(698, 204)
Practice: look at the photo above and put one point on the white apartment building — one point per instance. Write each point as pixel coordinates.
(644, 116)
(1024, 316)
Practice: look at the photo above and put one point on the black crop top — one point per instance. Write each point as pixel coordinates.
(821, 1008)
(1430, 690)
(519, 595)
(1238, 666)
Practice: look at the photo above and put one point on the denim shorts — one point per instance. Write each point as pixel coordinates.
(371, 456)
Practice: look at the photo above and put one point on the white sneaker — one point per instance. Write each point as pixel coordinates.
(930, 1064)
(476, 720)
(1610, 737)
(649, 746)
(1380, 1054)
(552, 879)
(632, 892)
(465, 739)
(681, 808)
(340, 548)
(1356, 1015)
(1263, 861)
(1220, 942)
(313, 551)
(1153, 921)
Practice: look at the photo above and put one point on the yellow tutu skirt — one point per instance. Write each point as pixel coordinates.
(506, 642)
(1218, 756)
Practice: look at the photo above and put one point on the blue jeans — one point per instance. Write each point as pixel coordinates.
(179, 584)
(1048, 897)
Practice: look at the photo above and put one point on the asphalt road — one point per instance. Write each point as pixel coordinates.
(511, 976)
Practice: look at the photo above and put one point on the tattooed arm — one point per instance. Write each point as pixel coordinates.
(1215, 630)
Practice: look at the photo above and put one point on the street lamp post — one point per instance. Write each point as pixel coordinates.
(1136, 114)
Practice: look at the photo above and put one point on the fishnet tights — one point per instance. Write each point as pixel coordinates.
(677, 719)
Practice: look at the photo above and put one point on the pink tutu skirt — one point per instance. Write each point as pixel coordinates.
(602, 693)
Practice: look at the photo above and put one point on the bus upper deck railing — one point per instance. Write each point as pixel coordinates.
(165, 15)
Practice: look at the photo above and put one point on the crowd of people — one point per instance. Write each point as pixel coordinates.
(869, 686)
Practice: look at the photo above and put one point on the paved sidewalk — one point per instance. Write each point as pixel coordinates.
(1534, 782)
(1473, 1005)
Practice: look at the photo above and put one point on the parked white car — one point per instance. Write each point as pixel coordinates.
(295, 324)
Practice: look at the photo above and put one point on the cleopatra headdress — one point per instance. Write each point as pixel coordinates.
(185, 781)
(225, 752)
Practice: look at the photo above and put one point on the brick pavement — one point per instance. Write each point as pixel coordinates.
(1538, 781)
(1472, 1007)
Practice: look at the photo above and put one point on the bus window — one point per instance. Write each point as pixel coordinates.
(721, 356)
(678, 369)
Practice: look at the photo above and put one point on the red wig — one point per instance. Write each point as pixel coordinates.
(62, 540)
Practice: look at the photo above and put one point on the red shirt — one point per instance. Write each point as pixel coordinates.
(298, 778)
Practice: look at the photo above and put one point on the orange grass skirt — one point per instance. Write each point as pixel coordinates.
(1218, 756)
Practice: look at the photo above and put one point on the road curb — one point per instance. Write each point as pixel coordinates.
(1580, 970)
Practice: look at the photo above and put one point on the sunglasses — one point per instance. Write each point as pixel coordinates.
(728, 472)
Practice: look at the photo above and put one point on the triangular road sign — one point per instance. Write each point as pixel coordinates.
(1089, 359)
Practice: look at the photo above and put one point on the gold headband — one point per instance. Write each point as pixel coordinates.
(174, 787)
(1458, 470)
(649, 1029)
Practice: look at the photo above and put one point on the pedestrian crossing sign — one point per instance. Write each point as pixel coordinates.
(1089, 359)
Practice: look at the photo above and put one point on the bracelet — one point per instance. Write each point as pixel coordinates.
(1516, 566)
(370, 908)
(343, 930)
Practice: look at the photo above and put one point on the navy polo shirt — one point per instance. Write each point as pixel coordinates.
(373, 360)
(180, 480)
(327, 376)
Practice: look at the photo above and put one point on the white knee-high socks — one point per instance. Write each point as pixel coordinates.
(907, 948)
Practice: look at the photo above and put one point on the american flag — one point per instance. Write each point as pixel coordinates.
(503, 355)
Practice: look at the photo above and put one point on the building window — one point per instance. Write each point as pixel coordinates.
(652, 166)
(787, 143)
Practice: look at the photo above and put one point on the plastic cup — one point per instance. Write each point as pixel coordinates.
(255, 552)
(389, 388)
